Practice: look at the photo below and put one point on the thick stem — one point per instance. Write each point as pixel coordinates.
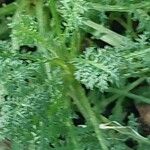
(40, 18)
(55, 17)
(84, 106)
(57, 29)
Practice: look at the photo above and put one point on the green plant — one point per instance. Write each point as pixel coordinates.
(47, 77)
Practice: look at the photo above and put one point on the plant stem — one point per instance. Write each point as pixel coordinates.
(84, 106)
(57, 29)
(55, 16)
(40, 18)
(100, 32)
(130, 95)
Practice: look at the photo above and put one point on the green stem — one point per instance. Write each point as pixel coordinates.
(130, 26)
(75, 44)
(130, 95)
(40, 16)
(119, 8)
(100, 32)
(56, 18)
(57, 29)
(127, 89)
(72, 136)
(83, 104)
(42, 31)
